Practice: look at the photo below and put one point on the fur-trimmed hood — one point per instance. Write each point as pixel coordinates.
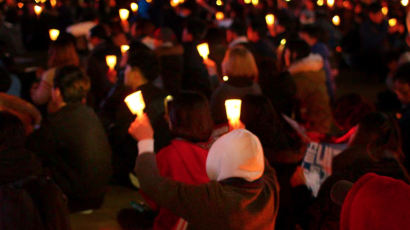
(311, 63)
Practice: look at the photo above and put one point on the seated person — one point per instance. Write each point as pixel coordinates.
(29, 200)
(243, 192)
(73, 144)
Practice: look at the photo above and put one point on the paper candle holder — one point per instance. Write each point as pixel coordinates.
(38, 9)
(134, 7)
(203, 50)
(270, 19)
(124, 49)
(233, 111)
(124, 14)
(54, 33)
(111, 61)
(135, 103)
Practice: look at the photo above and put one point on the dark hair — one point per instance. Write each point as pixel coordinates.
(298, 47)
(99, 32)
(311, 29)
(190, 116)
(379, 133)
(261, 118)
(350, 109)
(403, 74)
(12, 131)
(73, 83)
(141, 57)
(197, 28)
(259, 27)
(238, 27)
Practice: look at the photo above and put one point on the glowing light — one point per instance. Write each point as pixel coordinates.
(124, 14)
(330, 3)
(270, 19)
(203, 50)
(247, 1)
(283, 42)
(385, 10)
(219, 16)
(219, 2)
(135, 103)
(111, 61)
(148, 1)
(255, 2)
(37, 10)
(124, 49)
(134, 7)
(339, 49)
(320, 2)
(20, 5)
(174, 3)
(392, 22)
(233, 111)
(404, 2)
(54, 33)
(225, 78)
(336, 20)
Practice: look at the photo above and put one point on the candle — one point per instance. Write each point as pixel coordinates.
(320, 2)
(270, 19)
(20, 5)
(111, 61)
(219, 16)
(404, 2)
(233, 112)
(385, 10)
(124, 13)
(37, 10)
(225, 78)
(134, 7)
(53, 3)
(392, 22)
(330, 3)
(247, 1)
(174, 3)
(255, 2)
(203, 50)
(124, 49)
(135, 103)
(148, 1)
(219, 2)
(54, 33)
(336, 20)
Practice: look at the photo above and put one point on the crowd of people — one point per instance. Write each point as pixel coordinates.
(304, 155)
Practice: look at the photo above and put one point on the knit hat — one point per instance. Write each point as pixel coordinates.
(236, 154)
(376, 202)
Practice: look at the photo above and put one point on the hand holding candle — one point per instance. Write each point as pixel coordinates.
(135, 103)
(203, 50)
(111, 61)
(233, 112)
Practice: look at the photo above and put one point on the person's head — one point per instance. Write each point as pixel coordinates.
(310, 34)
(295, 50)
(71, 85)
(239, 62)
(237, 29)
(260, 117)
(238, 154)
(97, 35)
(164, 37)
(379, 134)
(12, 131)
(402, 83)
(375, 13)
(142, 66)
(256, 31)
(189, 116)
(63, 52)
(349, 110)
(194, 30)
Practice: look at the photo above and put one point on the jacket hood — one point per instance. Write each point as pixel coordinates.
(238, 154)
(311, 63)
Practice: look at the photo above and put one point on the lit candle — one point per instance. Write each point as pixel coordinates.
(270, 19)
(20, 5)
(255, 2)
(203, 50)
(219, 2)
(219, 16)
(225, 78)
(385, 10)
(174, 3)
(111, 61)
(124, 14)
(247, 1)
(233, 112)
(54, 33)
(53, 3)
(37, 10)
(135, 103)
(320, 2)
(336, 20)
(330, 3)
(392, 22)
(148, 1)
(124, 49)
(404, 2)
(134, 7)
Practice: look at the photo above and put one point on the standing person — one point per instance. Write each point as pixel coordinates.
(73, 143)
(242, 193)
